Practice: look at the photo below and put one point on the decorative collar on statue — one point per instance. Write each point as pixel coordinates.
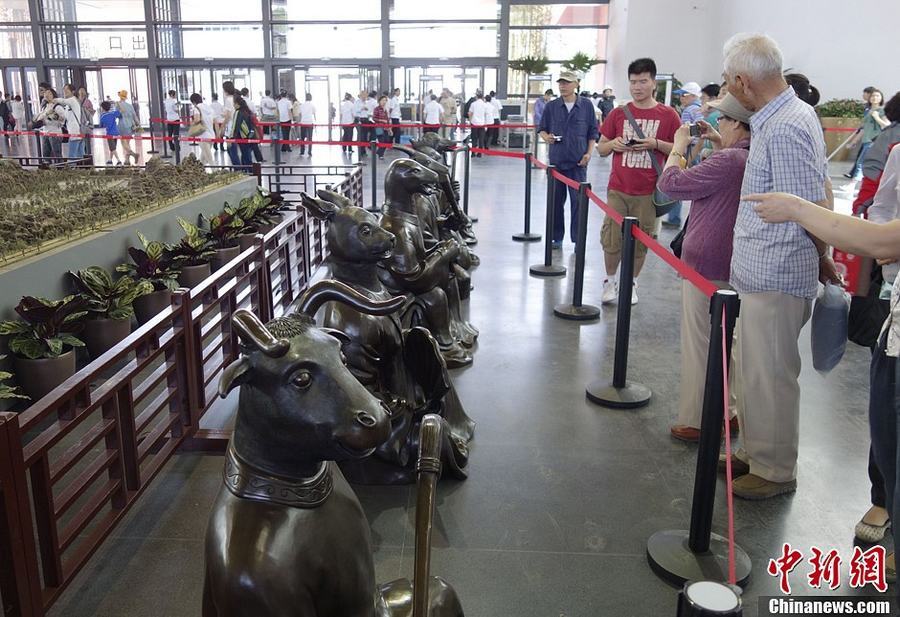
(248, 482)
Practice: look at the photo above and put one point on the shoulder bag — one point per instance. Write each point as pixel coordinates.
(197, 127)
(663, 202)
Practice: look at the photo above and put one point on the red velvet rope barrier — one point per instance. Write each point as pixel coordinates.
(538, 163)
(406, 125)
(574, 184)
(511, 155)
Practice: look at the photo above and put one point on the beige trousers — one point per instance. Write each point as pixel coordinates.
(695, 325)
(769, 398)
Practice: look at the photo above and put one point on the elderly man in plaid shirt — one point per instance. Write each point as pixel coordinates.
(775, 268)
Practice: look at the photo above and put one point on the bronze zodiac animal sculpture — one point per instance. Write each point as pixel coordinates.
(413, 269)
(287, 536)
(402, 367)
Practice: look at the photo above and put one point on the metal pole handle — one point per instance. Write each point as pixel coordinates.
(580, 243)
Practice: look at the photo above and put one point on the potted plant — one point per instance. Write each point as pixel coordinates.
(192, 254)
(580, 63)
(155, 263)
(222, 233)
(260, 214)
(7, 391)
(109, 306)
(839, 114)
(43, 341)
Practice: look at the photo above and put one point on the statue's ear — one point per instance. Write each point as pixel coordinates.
(340, 335)
(234, 374)
(339, 200)
(319, 208)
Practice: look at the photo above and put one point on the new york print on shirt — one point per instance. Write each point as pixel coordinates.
(638, 159)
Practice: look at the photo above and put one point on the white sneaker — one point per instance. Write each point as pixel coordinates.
(634, 294)
(610, 292)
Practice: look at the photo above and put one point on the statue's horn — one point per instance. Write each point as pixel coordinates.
(255, 334)
(331, 290)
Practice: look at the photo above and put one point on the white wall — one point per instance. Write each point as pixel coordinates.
(842, 47)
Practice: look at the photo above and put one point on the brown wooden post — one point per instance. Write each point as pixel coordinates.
(45, 522)
(113, 441)
(128, 439)
(20, 583)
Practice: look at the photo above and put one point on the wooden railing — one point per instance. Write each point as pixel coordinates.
(74, 462)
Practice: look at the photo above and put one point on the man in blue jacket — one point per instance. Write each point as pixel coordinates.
(569, 126)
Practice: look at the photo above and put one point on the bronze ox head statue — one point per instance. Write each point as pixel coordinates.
(354, 234)
(435, 142)
(299, 404)
(406, 177)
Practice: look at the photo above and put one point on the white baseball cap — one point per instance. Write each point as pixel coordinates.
(691, 87)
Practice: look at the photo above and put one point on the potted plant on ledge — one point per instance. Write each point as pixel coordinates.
(109, 306)
(7, 391)
(260, 214)
(43, 342)
(193, 254)
(843, 114)
(156, 264)
(222, 233)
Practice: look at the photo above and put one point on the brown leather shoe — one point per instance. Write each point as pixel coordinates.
(755, 488)
(738, 467)
(685, 433)
(691, 434)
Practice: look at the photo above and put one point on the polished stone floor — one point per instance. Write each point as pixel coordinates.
(562, 494)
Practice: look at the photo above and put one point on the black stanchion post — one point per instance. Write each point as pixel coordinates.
(257, 171)
(467, 168)
(678, 555)
(527, 236)
(621, 393)
(40, 150)
(177, 152)
(165, 141)
(373, 146)
(548, 268)
(153, 149)
(576, 311)
(276, 142)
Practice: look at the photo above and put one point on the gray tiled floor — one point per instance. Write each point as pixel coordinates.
(562, 495)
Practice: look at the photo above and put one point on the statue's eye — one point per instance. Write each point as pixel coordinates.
(302, 379)
(365, 230)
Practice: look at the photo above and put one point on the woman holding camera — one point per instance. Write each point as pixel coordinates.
(714, 188)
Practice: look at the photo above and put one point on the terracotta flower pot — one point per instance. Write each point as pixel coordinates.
(101, 335)
(223, 256)
(149, 306)
(191, 276)
(38, 377)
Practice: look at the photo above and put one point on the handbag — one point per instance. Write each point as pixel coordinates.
(197, 128)
(868, 313)
(678, 241)
(661, 201)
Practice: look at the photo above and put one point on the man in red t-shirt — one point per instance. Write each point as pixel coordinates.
(633, 179)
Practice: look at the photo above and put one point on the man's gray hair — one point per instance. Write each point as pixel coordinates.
(755, 55)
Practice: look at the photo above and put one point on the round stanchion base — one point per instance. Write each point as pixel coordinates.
(673, 561)
(631, 396)
(529, 237)
(585, 312)
(551, 270)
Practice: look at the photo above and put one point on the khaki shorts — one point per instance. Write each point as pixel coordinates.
(639, 206)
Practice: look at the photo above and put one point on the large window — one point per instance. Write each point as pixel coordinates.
(310, 10)
(206, 10)
(95, 41)
(326, 40)
(443, 40)
(16, 42)
(454, 9)
(14, 11)
(93, 10)
(558, 32)
(210, 41)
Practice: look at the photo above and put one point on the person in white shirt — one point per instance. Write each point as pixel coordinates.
(228, 125)
(432, 114)
(346, 121)
(284, 118)
(202, 116)
(72, 120)
(173, 120)
(307, 120)
(17, 108)
(363, 118)
(218, 120)
(394, 112)
(480, 113)
(494, 132)
(267, 108)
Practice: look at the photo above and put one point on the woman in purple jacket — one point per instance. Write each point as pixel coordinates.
(714, 188)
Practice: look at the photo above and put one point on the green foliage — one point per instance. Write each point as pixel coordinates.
(194, 248)
(661, 91)
(52, 205)
(156, 263)
(841, 108)
(223, 229)
(105, 298)
(7, 391)
(580, 63)
(530, 65)
(261, 209)
(47, 328)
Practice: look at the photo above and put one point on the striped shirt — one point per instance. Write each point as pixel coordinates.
(787, 154)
